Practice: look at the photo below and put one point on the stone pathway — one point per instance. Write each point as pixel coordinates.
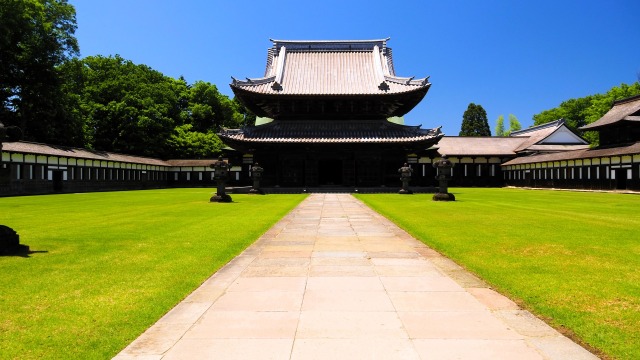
(335, 280)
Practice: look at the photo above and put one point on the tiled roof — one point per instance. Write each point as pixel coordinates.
(355, 131)
(69, 152)
(537, 135)
(330, 68)
(64, 151)
(534, 129)
(623, 110)
(577, 154)
(479, 146)
(555, 147)
(191, 162)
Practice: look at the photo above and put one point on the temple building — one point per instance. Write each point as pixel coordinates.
(614, 164)
(330, 114)
(478, 160)
(330, 118)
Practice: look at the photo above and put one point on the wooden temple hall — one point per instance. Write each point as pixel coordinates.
(330, 114)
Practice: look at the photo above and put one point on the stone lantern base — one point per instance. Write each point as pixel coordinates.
(221, 198)
(443, 197)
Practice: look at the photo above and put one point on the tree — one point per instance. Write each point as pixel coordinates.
(500, 126)
(71, 119)
(36, 36)
(572, 111)
(188, 144)
(123, 107)
(474, 122)
(129, 108)
(582, 111)
(514, 124)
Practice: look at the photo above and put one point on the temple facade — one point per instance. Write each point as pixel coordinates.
(329, 114)
(549, 155)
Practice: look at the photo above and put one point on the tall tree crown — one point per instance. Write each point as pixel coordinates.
(36, 36)
(514, 124)
(500, 126)
(474, 122)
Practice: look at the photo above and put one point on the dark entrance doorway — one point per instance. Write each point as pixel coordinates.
(621, 179)
(330, 172)
(5, 173)
(56, 176)
(528, 177)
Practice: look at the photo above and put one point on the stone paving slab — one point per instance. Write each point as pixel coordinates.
(335, 280)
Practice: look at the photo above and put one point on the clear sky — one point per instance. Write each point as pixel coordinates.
(518, 57)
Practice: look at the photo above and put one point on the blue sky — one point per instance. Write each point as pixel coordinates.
(518, 57)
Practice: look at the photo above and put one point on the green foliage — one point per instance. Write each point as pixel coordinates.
(572, 111)
(71, 122)
(500, 126)
(206, 106)
(188, 144)
(123, 107)
(35, 37)
(474, 122)
(209, 109)
(106, 266)
(570, 257)
(514, 124)
(128, 108)
(583, 111)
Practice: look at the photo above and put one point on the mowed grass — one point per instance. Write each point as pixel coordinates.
(571, 257)
(106, 266)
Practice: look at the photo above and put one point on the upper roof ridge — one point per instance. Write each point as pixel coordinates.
(332, 45)
(329, 41)
(556, 123)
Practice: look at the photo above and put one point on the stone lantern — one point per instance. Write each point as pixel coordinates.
(256, 176)
(405, 176)
(221, 175)
(445, 173)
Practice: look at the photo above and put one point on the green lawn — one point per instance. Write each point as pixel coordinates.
(571, 257)
(105, 266)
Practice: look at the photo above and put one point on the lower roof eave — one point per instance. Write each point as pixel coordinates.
(260, 103)
(251, 146)
(631, 149)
